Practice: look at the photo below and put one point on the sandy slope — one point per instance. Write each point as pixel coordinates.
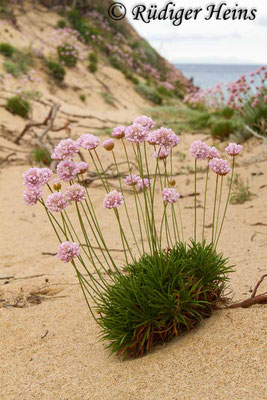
(222, 359)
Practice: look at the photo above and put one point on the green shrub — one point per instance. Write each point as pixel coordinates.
(93, 66)
(67, 54)
(255, 117)
(82, 97)
(42, 156)
(149, 92)
(17, 105)
(81, 25)
(132, 78)
(61, 24)
(161, 296)
(12, 68)
(221, 129)
(108, 98)
(7, 50)
(227, 112)
(163, 91)
(56, 70)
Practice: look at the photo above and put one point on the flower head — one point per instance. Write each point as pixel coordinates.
(145, 121)
(67, 251)
(132, 179)
(233, 149)
(66, 149)
(32, 195)
(35, 177)
(219, 166)
(75, 193)
(88, 141)
(163, 137)
(108, 144)
(82, 167)
(67, 170)
(170, 195)
(113, 199)
(212, 153)
(119, 132)
(136, 133)
(56, 202)
(199, 150)
(162, 153)
(144, 183)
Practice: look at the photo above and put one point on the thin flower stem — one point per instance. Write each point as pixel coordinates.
(123, 236)
(214, 208)
(195, 224)
(227, 202)
(181, 220)
(219, 206)
(125, 204)
(161, 227)
(205, 203)
(175, 225)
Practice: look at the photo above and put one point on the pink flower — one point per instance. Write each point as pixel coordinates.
(67, 170)
(67, 251)
(146, 122)
(32, 195)
(219, 166)
(212, 153)
(108, 144)
(56, 202)
(170, 195)
(75, 193)
(136, 133)
(119, 132)
(163, 137)
(144, 183)
(113, 199)
(88, 141)
(36, 177)
(162, 153)
(233, 149)
(132, 180)
(82, 167)
(199, 150)
(65, 149)
(45, 175)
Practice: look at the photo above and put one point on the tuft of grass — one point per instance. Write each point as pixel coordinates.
(222, 128)
(17, 105)
(42, 156)
(67, 54)
(56, 70)
(93, 65)
(161, 296)
(82, 97)
(149, 92)
(61, 24)
(7, 49)
(108, 98)
(19, 63)
(240, 191)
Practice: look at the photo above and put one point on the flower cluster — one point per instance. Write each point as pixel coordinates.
(66, 149)
(170, 195)
(233, 149)
(219, 166)
(88, 141)
(113, 199)
(67, 251)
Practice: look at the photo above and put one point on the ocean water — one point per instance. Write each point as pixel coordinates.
(208, 75)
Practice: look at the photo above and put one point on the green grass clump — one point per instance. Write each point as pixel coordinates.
(61, 24)
(7, 49)
(67, 54)
(108, 98)
(19, 63)
(17, 105)
(81, 25)
(42, 156)
(56, 70)
(161, 296)
(93, 62)
(82, 97)
(240, 191)
(222, 128)
(149, 92)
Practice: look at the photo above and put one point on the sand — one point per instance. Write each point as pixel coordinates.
(51, 350)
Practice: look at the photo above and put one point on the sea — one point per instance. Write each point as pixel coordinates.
(208, 75)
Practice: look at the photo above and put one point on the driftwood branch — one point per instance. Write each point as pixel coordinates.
(254, 299)
(48, 123)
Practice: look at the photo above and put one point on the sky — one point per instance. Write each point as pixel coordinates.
(202, 41)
